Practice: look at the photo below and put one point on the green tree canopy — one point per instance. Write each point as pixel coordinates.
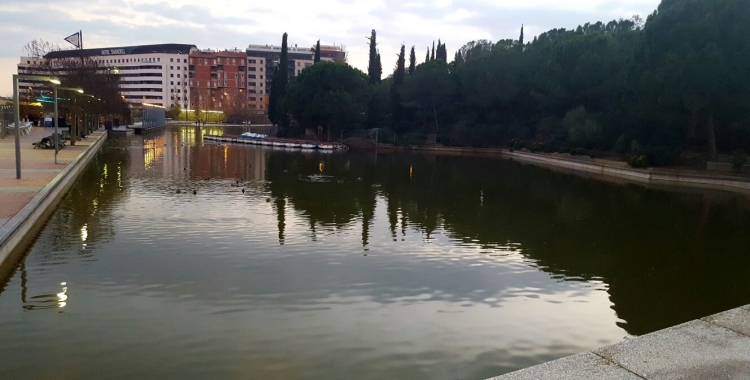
(330, 94)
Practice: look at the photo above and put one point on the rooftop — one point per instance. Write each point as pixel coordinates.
(122, 50)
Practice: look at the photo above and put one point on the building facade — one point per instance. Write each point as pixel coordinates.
(155, 74)
(218, 80)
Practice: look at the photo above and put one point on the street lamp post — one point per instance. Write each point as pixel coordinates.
(17, 112)
(56, 89)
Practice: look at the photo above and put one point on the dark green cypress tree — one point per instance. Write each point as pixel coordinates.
(432, 57)
(279, 81)
(398, 80)
(378, 68)
(374, 68)
(317, 53)
(427, 57)
(520, 39)
(412, 61)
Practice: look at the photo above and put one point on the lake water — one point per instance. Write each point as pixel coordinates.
(354, 265)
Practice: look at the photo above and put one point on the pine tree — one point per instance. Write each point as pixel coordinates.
(520, 39)
(317, 53)
(412, 61)
(432, 57)
(374, 69)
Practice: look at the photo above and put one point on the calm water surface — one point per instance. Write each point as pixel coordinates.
(340, 266)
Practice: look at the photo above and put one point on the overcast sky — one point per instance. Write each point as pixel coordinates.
(230, 23)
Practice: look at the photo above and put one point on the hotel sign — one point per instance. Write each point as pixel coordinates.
(113, 51)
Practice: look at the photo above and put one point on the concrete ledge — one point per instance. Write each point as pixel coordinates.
(715, 347)
(19, 231)
(654, 176)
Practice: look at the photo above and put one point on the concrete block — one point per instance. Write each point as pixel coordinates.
(586, 366)
(694, 350)
(737, 320)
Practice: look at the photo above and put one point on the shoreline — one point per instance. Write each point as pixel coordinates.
(601, 168)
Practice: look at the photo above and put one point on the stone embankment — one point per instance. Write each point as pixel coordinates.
(27, 203)
(715, 347)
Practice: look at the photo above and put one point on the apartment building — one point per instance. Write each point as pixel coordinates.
(262, 61)
(218, 79)
(156, 74)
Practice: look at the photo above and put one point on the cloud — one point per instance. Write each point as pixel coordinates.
(230, 24)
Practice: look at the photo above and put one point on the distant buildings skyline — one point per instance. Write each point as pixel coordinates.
(183, 75)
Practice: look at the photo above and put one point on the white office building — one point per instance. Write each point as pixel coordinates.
(155, 74)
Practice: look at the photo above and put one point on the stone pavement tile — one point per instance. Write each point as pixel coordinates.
(13, 202)
(694, 350)
(585, 366)
(737, 320)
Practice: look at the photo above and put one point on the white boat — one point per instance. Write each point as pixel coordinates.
(309, 146)
(325, 146)
(278, 143)
(292, 145)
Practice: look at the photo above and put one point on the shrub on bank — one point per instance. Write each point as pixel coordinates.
(739, 159)
(638, 161)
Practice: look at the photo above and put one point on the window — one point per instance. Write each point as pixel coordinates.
(171, 67)
(261, 61)
(251, 84)
(299, 64)
(178, 91)
(158, 60)
(171, 60)
(171, 75)
(171, 83)
(252, 69)
(178, 75)
(261, 77)
(250, 61)
(172, 90)
(261, 69)
(261, 85)
(251, 76)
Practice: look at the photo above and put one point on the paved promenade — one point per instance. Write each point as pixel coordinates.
(37, 168)
(26, 203)
(715, 347)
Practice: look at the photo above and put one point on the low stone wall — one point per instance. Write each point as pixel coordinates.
(661, 176)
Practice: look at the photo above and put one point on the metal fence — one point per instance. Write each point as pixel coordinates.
(6, 120)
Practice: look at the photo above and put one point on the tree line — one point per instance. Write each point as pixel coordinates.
(652, 91)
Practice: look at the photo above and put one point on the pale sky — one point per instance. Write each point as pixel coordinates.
(221, 24)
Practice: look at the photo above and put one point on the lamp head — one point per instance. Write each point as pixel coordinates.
(54, 81)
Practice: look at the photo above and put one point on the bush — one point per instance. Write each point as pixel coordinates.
(739, 159)
(539, 147)
(638, 161)
(515, 144)
(582, 129)
(621, 145)
(578, 151)
(662, 156)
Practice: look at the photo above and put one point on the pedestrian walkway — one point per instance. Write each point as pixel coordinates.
(715, 347)
(38, 169)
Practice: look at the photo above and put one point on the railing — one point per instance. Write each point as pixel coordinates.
(6, 120)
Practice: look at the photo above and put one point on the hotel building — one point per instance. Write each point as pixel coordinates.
(155, 74)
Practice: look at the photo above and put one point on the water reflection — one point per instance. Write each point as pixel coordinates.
(311, 266)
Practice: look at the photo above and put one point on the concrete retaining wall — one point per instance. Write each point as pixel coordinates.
(656, 176)
(20, 231)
